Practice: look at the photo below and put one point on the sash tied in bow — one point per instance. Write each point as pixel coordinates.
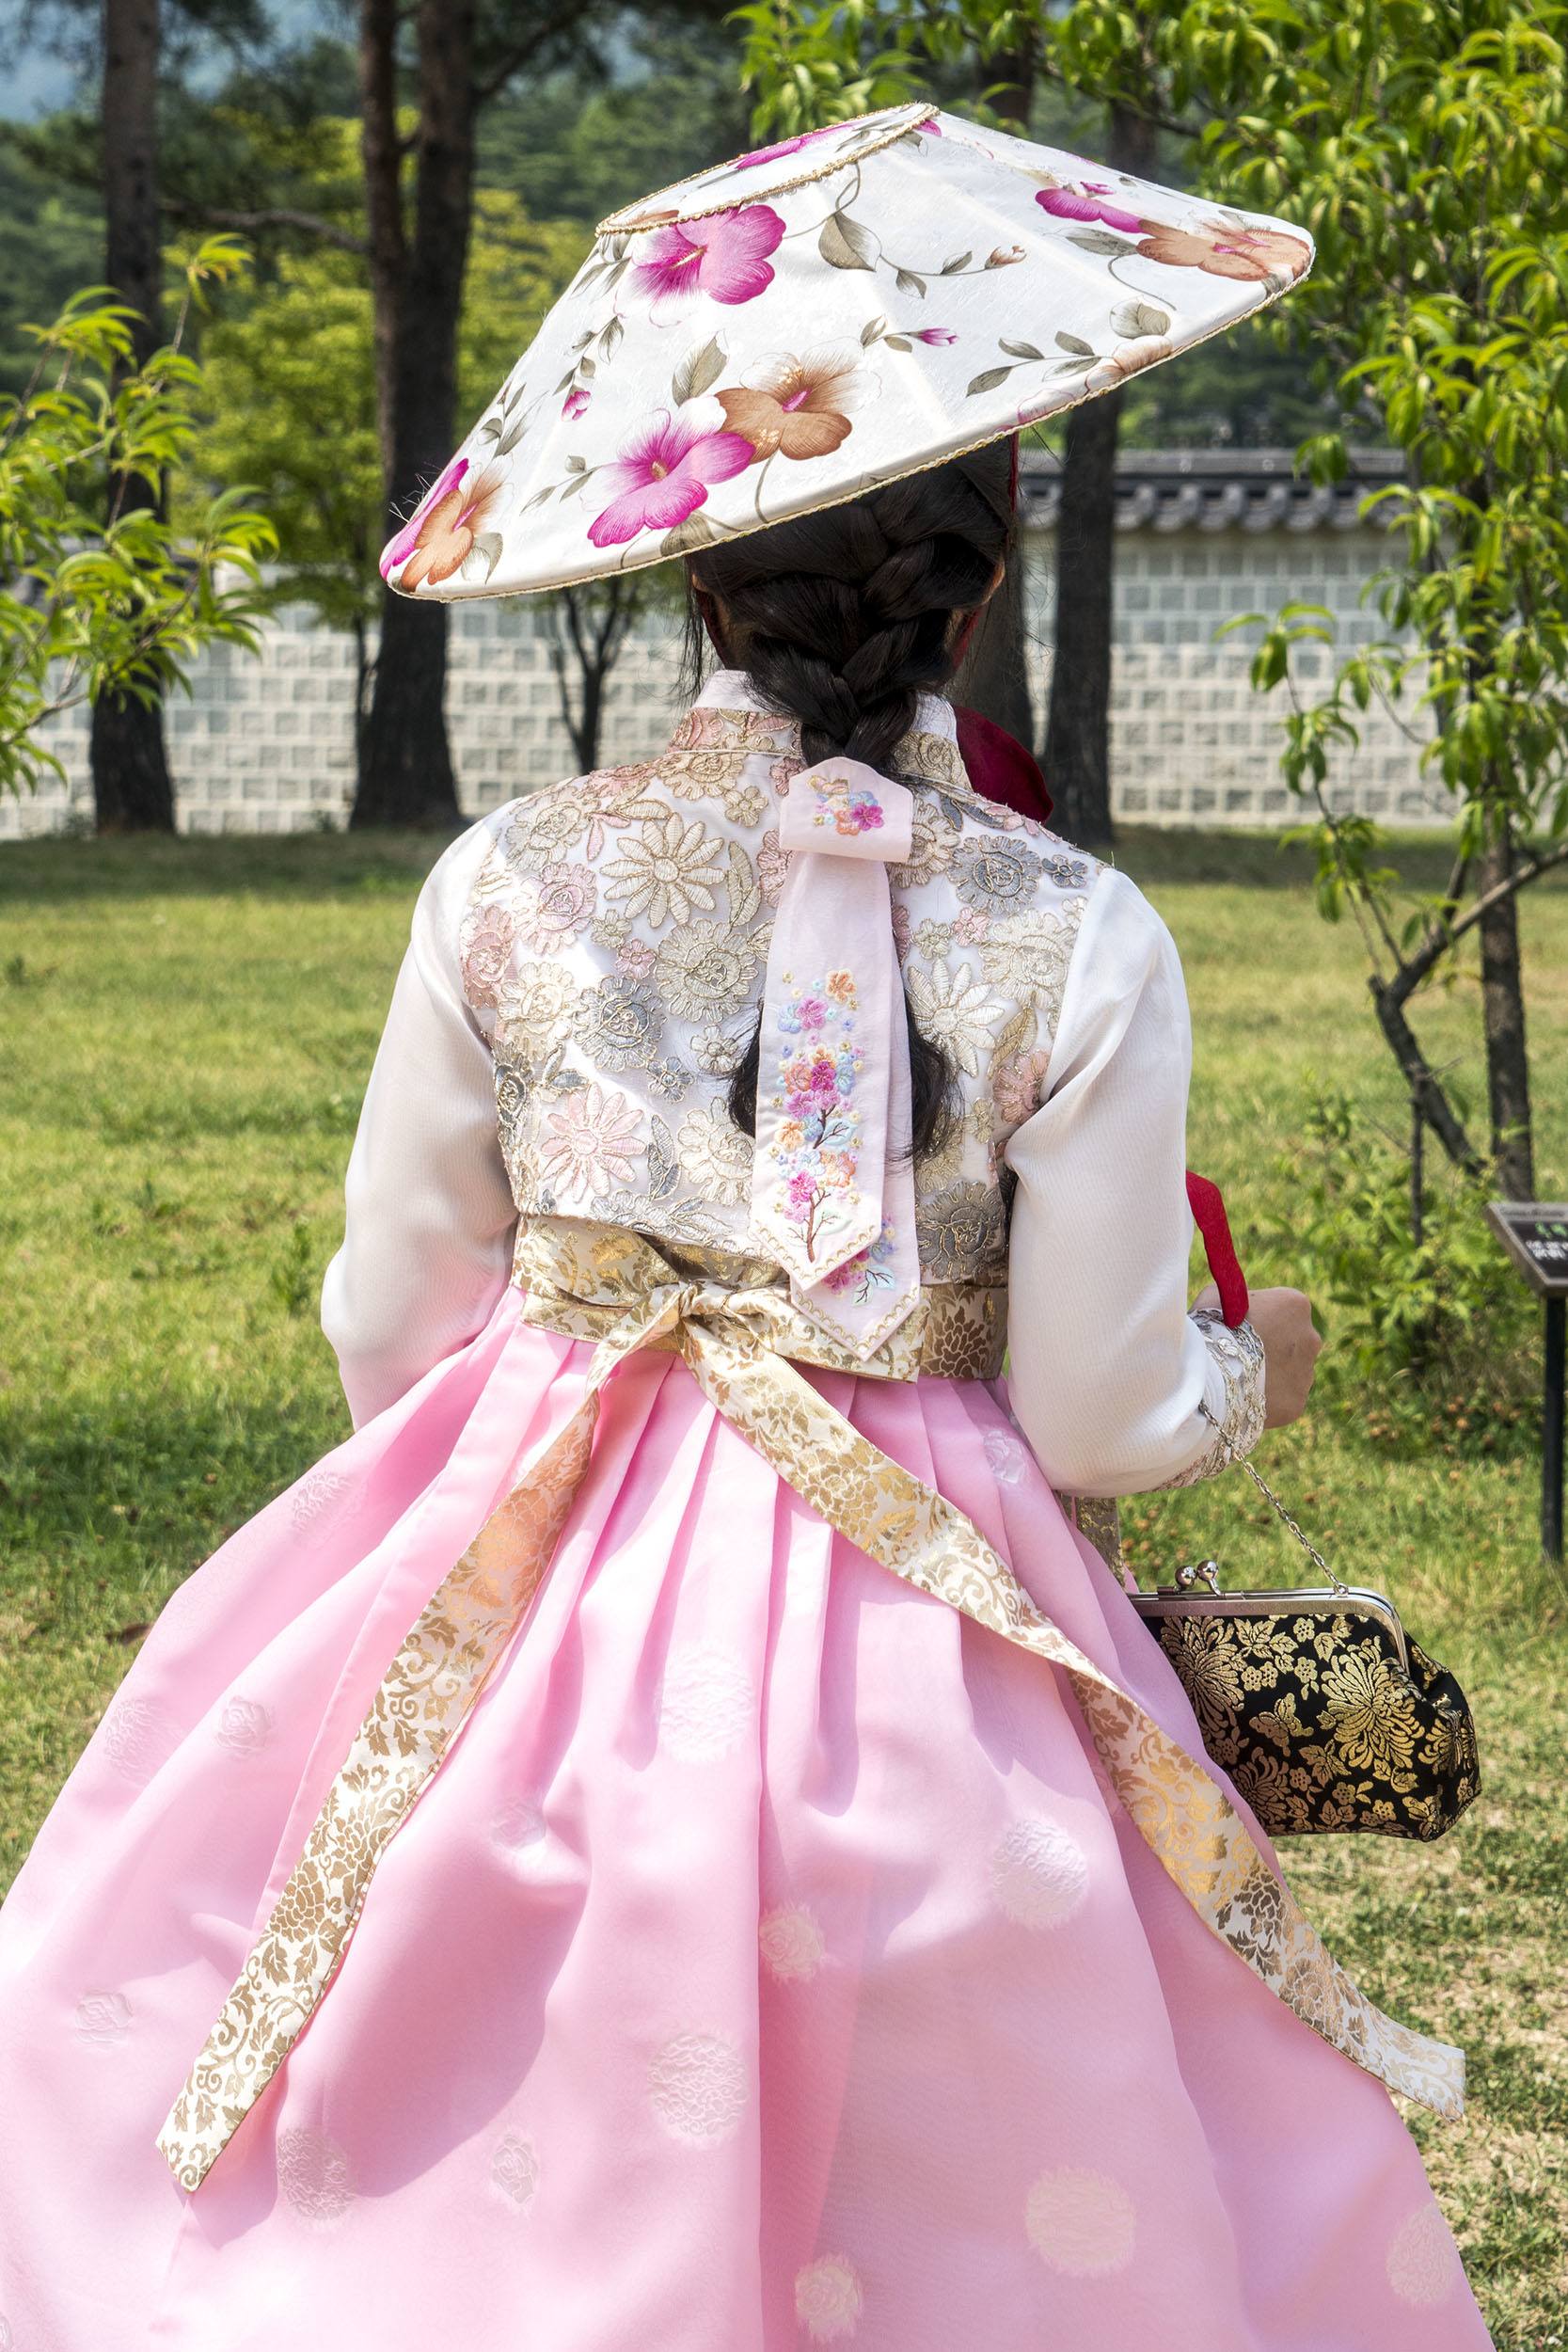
(832, 1190)
(737, 1344)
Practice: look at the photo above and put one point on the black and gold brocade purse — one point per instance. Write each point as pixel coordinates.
(1316, 1702)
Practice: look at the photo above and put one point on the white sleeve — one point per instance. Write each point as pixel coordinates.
(1109, 1373)
(427, 1244)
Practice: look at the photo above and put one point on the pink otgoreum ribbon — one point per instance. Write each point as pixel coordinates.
(832, 1189)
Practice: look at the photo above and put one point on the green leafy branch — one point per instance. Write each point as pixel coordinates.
(100, 593)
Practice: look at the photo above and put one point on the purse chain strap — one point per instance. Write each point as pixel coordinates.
(1239, 1461)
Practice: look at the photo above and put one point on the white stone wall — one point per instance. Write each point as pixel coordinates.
(264, 743)
(1192, 743)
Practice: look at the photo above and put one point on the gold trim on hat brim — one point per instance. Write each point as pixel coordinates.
(909, 116)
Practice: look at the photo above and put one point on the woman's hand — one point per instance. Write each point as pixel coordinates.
(1283, 1321)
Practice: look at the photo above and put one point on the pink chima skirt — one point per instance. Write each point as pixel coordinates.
(768, 1965)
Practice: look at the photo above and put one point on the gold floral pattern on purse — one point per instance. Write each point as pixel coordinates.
(1316, 1702)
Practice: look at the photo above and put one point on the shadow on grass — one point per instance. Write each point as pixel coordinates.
(266, 866)
(1259, 861)
(348, 866)
(108, 1504)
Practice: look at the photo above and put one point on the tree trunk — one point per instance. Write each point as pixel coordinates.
(1502, 1000)
(1427, 1098)
(1078, 727)
(596, 650)
(364, 670)
(597, 620)
(994, 678)
(406, 769)
(388, 243)
(132, 790)
(1077, 735)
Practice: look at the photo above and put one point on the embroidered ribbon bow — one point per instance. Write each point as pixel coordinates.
(833, 1192)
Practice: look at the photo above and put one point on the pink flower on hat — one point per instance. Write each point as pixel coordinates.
(665, 471)
(781, 146)
(1089, 201)
(931, 334)
(725, 257)
(575, 401)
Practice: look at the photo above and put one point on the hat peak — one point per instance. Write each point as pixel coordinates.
(771, 170)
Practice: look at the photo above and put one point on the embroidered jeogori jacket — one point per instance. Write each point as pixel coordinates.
(586, 964)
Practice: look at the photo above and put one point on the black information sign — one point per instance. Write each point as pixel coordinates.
(1535, 1234)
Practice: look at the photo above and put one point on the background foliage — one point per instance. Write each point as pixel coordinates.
(96, 585)
(570, 145)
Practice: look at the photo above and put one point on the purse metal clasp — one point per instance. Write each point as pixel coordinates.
(1198, 1572)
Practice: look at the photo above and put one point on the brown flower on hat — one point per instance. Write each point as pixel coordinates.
(1223, 250)
(796, 405)
(1125, 361)
(444, 533)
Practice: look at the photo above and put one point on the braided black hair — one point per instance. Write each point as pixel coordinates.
(842, 619)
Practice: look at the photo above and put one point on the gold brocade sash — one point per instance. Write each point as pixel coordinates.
(618, 1287)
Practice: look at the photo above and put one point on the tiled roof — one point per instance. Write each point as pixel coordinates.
(1216, 489)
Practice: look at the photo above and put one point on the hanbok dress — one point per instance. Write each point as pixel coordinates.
(666, 1840)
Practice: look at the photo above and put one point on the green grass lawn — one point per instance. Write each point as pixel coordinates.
(186, 1028)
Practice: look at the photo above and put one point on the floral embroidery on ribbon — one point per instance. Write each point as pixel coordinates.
(870, 1270)
(849, 807)
(816, 1147)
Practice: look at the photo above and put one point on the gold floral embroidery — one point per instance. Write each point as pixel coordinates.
(667, 871)
(590, 1273)
(423, 1701)
(1363, 1741)
(1239, 1354)
(537, 1004)
(1367, 1716)
(624, 1023)
(1026, 953)
(933, 840)
(489, 934)
(560, 905)
(704, 969)
(717, 1153)
(617, 937)
(737, 1342)
(963, 1231)
(728, 730)
(545, 824)
(714, 775)
(954, 1010)
(1097, 1518)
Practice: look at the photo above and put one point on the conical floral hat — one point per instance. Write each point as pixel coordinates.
(790, 329)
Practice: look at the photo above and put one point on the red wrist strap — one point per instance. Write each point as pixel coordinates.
(1207, 1203)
